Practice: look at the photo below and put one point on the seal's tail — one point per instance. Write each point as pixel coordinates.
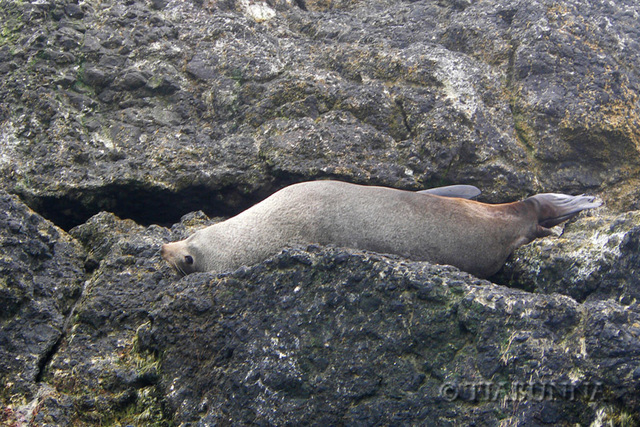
(557, 208)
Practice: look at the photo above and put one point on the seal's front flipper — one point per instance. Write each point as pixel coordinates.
(554, 209)
(461, 191)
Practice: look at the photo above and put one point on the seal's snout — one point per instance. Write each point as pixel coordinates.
(164, 252)
(178, 256)
(169, 252)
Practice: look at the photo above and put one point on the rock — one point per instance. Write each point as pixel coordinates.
(73, 11)
(133, 80)
(96, 77)
(343, 337)
(159, 4)
(592, 260)
(515, 99)
(42, 278)
(326, 334)
(317, 148)
(97, 374)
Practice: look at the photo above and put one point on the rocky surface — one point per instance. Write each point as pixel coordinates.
(328, 335)
(95, 376)
(344, 337)
(41, 277)
(187, 105)
(595, 258)
(153, 109)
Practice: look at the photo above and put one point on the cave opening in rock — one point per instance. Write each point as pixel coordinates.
(142, 204)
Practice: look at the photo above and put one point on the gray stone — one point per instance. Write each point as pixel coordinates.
(594, 259)
(42, 277)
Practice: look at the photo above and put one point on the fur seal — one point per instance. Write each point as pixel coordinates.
(423, 226)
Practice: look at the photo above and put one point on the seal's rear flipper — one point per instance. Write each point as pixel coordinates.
(557, 208)
(462, 191)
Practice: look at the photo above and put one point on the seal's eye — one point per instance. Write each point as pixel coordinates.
(188, 259)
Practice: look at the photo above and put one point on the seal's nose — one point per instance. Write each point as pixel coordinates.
(164, 252)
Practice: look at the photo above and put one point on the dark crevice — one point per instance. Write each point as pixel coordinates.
(147, 205)
(51, 352)
(43, 362)
(405, 118)
(142, 204)
(46, 358)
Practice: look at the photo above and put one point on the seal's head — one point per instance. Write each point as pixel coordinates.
(180, 257)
